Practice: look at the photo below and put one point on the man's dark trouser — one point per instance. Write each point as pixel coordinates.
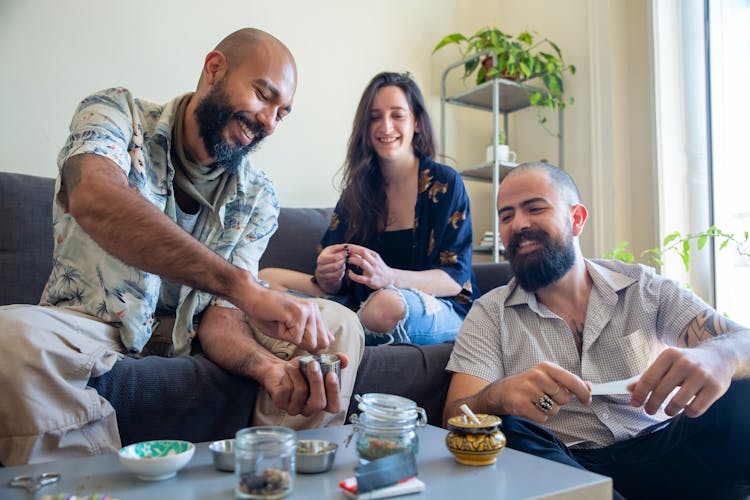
(703, 458)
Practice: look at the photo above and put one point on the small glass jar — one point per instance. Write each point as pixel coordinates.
(386, 425)
(264, 462)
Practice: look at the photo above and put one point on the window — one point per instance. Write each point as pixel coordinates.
(729, 80)
(682, 134)
(701, 54)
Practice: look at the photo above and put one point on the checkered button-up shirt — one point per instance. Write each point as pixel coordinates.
(632, 315)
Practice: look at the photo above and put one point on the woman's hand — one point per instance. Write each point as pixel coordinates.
(375, 273)
(331, 266)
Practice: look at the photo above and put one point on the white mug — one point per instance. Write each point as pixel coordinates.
(504, 154)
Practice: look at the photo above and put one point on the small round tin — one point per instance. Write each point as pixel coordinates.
(328, 363)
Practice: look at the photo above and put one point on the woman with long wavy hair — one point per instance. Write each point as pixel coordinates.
(398, 248)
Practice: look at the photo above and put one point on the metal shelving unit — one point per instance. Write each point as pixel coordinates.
(499, 97)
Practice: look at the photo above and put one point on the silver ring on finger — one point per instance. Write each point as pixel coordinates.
(544, 403)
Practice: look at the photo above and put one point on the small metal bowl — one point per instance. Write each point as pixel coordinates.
(223, 454)
(314, 455)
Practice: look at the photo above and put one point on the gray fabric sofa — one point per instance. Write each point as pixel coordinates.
(191, 398)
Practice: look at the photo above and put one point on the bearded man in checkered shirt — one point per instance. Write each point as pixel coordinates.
(535, 351)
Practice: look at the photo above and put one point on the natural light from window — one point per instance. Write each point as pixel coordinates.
(729, 83)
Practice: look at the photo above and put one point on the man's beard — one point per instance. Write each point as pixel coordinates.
(214, 113)
(543, 267)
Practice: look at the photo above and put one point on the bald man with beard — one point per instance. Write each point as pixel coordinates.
(530, 352)
(160, 221)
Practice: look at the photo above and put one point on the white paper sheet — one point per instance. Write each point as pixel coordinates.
(616, 387)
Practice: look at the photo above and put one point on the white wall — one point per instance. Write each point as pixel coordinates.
(53, 53)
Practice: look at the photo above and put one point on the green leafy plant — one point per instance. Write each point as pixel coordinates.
(519, 58)
(621, 253)
(682, 244)
(501, 137)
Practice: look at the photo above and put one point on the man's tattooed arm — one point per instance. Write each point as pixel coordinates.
(706, 325)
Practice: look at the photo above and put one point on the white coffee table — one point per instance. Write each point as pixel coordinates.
(516, 475)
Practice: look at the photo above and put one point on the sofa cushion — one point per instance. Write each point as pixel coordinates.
(26, 240)
(188, 398)
(490, 275)
(192, 398)
(25, 237)
(294, 246)
(413, 371)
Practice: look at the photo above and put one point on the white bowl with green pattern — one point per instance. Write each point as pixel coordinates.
(156, 460)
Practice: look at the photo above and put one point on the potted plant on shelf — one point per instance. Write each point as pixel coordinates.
(519, 58)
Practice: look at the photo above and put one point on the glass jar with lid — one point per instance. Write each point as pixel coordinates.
(264, 462)
(386, 425)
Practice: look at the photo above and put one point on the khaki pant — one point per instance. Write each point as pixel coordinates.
(46, 409)
(350, 339)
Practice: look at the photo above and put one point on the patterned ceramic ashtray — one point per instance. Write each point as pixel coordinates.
(475, 443)
(156, 460)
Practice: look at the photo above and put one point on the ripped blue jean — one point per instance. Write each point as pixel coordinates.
(428, 320)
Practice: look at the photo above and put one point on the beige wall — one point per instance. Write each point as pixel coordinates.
(54, 53)
(608, 139)
(564, 22)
